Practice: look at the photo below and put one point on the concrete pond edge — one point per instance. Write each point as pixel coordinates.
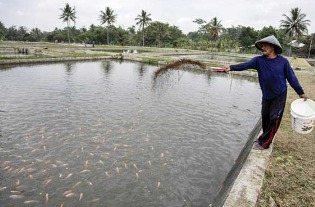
(248, 183)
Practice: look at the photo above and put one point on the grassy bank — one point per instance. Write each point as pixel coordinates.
(290, 175)
(56, 52)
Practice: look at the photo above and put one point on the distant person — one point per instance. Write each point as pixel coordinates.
(93, 43)
(273, 72)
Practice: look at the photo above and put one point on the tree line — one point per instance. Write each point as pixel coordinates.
(210, 35)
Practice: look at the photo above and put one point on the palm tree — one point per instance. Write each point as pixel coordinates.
(108, 17)
(143, 20)
(68, 14)
(215, 28)
(296, 24)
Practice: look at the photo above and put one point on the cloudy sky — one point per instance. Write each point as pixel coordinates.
(44, 14)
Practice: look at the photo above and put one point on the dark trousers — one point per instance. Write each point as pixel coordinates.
(271, 113)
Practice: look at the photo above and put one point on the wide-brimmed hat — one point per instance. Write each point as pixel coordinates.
(270, 40)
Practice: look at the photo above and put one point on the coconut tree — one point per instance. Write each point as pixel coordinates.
(215, 28)
(68, 14)
(107, 17)
(295, 24)
(143, 20)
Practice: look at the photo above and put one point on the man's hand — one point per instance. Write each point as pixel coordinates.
(227, 68)
(303, 96)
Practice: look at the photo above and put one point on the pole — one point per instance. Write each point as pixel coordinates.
(309, 51)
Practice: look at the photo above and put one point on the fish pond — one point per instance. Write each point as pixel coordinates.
(105, 133)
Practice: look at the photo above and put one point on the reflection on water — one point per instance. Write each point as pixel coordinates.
(104, 134)
(107, 66)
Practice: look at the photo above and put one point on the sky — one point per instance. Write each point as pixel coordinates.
(44, 14)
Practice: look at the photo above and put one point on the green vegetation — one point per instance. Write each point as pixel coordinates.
(151, 61)
(210, 36)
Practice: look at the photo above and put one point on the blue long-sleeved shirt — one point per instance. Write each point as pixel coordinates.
(272, 75)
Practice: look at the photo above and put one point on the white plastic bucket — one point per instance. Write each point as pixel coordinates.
(303, 115)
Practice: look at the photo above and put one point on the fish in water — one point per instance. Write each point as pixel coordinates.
(135, 166)
(47, 181)
(21, 170)
(107, 174)
(81, 196)
(67, 192)
(7, 167)
(68, 176)
(77, 184)
(3, 188)
(16, 196)
(31, 202)
(94, 200)
(85, 171)
(158, 184)
(47, 198)
(70, 195)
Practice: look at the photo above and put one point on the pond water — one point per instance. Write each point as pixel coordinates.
(105, 133)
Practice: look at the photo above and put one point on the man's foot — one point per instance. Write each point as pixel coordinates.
(257, 146)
